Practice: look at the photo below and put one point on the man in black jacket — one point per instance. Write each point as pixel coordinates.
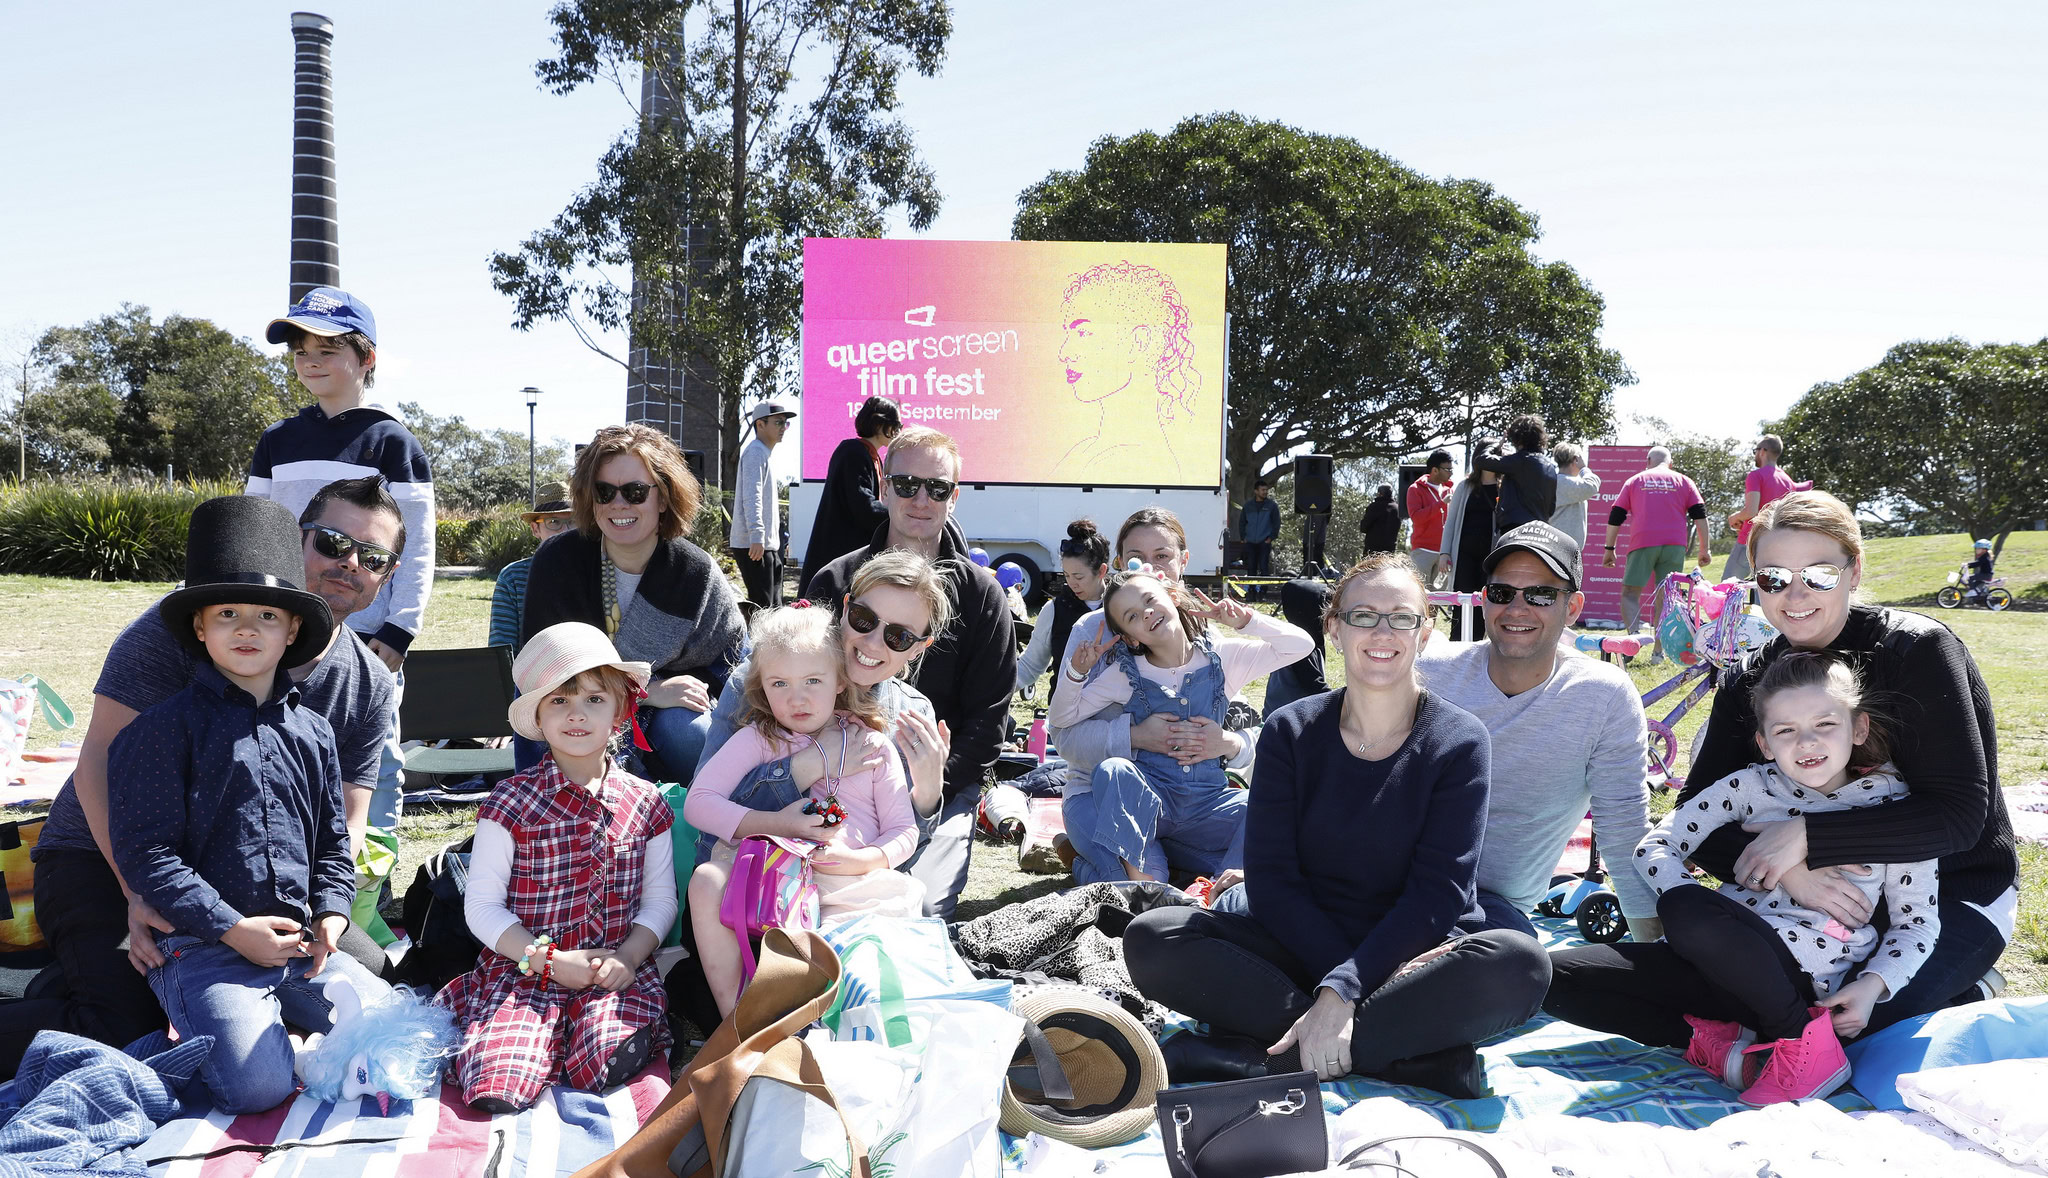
(968, 674)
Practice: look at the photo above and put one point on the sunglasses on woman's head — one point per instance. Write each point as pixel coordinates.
(635, 493)
(1540, 596)
(1821, 578)
(337, 545)
(896, 637)
(1366, 619)
(906, 485)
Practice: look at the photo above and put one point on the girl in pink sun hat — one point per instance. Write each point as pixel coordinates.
(571, 889)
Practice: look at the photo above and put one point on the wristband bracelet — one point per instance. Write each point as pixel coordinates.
(548, 967)
(533, 951)
(1073, 678)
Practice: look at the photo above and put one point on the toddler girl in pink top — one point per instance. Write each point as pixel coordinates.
(811, 746)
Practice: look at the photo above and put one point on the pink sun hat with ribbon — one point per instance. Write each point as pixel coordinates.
(553, 657)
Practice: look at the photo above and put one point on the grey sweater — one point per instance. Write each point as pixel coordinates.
(1578, 741)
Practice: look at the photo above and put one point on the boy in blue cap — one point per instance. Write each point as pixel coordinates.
(333, 341)
(225, 813)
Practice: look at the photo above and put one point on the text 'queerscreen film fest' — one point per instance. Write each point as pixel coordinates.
(1050, 362)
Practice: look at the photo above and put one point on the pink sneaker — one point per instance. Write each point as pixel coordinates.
(1806, 1068)
(1717, 1048)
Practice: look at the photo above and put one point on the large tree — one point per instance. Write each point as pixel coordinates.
(126, 394)
(1938, 436)
(1375, 312)
(772, 123)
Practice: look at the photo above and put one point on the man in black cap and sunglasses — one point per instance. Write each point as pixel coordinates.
(352, 535)
(969, 673)
(1568, 731)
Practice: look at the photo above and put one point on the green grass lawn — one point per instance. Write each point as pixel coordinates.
(61, 629)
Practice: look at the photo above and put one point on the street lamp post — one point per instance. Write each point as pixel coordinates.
(532, 395)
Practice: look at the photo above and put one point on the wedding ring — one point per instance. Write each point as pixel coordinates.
(1756, 880)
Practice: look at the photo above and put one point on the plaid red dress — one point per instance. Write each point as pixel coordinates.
(576, 876)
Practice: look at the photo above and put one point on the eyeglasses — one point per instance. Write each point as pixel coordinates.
(898, 638)
(1366, 619)
(1540, 596)
(1821, 578)
(906, 485)
(339, 545)
(635, 493)
(553, 524)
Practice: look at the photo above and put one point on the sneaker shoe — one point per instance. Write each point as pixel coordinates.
(1991, 985)
(1806, 1068)
(1720, 1049)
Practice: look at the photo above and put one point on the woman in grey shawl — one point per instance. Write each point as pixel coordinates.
(627, 570)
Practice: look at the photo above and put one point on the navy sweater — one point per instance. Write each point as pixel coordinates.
(1361, 865)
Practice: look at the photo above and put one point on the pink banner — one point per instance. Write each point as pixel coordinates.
(1073, 363)
(1614, 465)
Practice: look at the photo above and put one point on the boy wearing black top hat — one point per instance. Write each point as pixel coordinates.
(225, 809)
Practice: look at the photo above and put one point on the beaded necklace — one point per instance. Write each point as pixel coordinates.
(609, 578)
(830, 811)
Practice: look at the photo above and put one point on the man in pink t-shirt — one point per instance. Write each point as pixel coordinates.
(1665, 504)
(1429, 500)
(1767, 484)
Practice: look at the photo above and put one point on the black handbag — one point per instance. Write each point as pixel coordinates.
(1252, 1128)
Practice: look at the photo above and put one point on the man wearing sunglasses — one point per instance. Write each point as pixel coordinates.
(1568, 731)
(102, 933)
(968, 673)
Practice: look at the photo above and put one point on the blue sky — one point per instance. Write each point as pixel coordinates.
(1767, 195)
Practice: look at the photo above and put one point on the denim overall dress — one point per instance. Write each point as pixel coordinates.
(1148, 810)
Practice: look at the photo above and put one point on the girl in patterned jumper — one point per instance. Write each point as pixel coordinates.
(845, 789)
(571, 888)
(1765, 973)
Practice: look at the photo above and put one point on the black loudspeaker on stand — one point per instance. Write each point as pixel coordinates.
(1312, 484)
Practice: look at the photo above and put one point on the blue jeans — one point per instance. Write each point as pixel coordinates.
(213, 990)
(767, 788)
(677, 735)
(1123, 819)
(1503, 913)
(1968, 946)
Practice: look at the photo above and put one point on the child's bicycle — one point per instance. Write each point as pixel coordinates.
(1707, 630)
(1992, 595)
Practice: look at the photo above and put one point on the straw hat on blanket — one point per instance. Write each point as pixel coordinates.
(1110, 1061)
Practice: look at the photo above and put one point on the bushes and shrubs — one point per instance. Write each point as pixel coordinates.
(105, 529)
(490, 541)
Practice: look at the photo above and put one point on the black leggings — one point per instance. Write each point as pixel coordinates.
(1642, 990)
(1719, 960)
(1229, 972)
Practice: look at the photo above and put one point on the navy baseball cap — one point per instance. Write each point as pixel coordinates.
(1558, 552)
(326, 311)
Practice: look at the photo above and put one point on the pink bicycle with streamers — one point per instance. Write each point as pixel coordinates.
(1710, 631)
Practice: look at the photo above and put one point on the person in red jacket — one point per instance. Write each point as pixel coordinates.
(1429, 499)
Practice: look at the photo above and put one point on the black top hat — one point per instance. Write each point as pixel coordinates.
(243, 549)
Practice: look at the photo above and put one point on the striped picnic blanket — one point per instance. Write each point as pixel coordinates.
(305, 1138)
(1543, 1066)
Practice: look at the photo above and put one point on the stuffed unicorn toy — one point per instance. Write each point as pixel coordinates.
(392, 1047)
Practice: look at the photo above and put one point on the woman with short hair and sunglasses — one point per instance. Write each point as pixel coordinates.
(1807, 550)
(628, 570)
(1367, 811)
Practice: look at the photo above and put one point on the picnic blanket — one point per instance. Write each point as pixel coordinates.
(2028, 805)
(306, 1138)
(1542, 1068)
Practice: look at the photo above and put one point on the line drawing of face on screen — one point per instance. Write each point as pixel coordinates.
(1128, 354)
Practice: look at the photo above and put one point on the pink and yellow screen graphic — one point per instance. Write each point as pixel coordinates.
(1096, 363)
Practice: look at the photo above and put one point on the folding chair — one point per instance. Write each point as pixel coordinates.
(457, 695)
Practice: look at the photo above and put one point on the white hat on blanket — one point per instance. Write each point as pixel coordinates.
(553, 657)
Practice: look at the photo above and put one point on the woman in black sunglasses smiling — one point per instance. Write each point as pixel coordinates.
(628, 570)
(1807, 550)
